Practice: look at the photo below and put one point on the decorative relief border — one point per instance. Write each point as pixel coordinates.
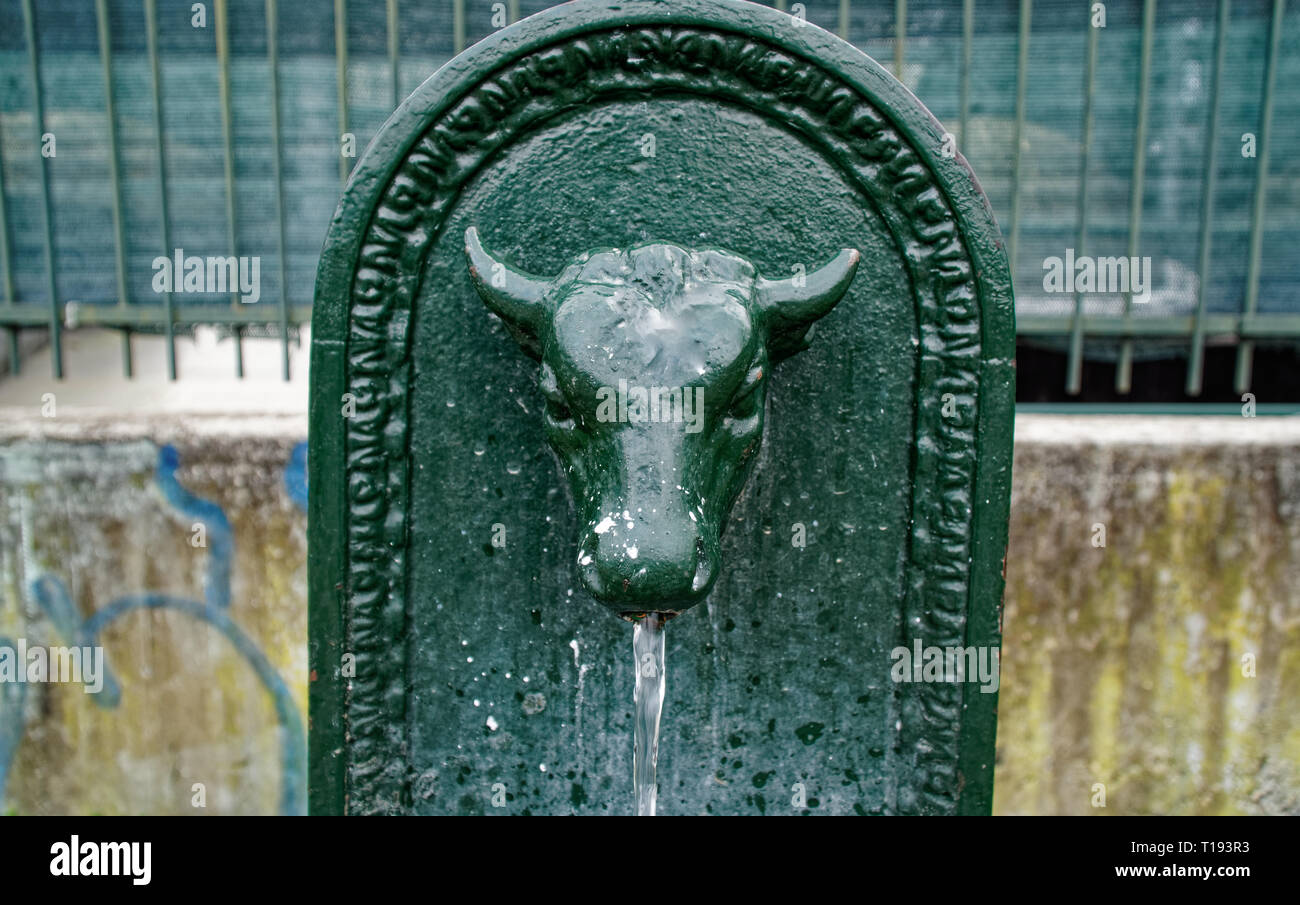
(596, 68)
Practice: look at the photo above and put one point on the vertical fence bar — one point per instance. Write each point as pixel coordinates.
(394, 53)
(1022, 72)
(1124, 367)
(843, 27)
(277, 172)
(1196, 354)
(237, 334)
(115, 174)
(1074, 367)
(228, 139)
(160, 151)
(341, 61)
(900, 36)
(458, 24)
(47, 211)
(6, 261)
(6, 272)
(1246, 347)
(967, 43)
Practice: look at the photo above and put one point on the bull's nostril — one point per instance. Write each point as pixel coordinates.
(591, 580)
(703, 568)
(588, 569)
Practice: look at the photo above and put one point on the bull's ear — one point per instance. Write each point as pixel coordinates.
(516, 297)
(789, 308)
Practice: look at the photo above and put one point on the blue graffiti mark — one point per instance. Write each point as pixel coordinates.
(52, 596)
(293, 747)
(58, 607)
(12, 723)
(215, 525)
(295, 476)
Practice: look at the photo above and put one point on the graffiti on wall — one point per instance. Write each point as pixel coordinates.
(50, 594)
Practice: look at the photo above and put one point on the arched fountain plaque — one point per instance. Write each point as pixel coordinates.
(659, 196)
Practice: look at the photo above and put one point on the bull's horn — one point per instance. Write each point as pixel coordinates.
(799, 305)
(512, 294)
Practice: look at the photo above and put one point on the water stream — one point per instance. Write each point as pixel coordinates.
(648, 706)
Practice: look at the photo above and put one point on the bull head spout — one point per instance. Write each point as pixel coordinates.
(654, 364)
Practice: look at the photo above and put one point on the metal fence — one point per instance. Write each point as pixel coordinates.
(132, 128)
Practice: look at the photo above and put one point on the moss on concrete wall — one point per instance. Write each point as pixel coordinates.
(1164, 665)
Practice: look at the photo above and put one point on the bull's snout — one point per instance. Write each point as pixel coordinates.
(633, 562)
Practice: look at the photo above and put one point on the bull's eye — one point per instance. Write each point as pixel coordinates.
(748, 398)
(558, 412)
(744, 405)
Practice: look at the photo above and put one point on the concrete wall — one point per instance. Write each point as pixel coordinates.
(1163, 665)
(107, 512)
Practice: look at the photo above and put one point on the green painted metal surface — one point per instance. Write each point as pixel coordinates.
(460, 661)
